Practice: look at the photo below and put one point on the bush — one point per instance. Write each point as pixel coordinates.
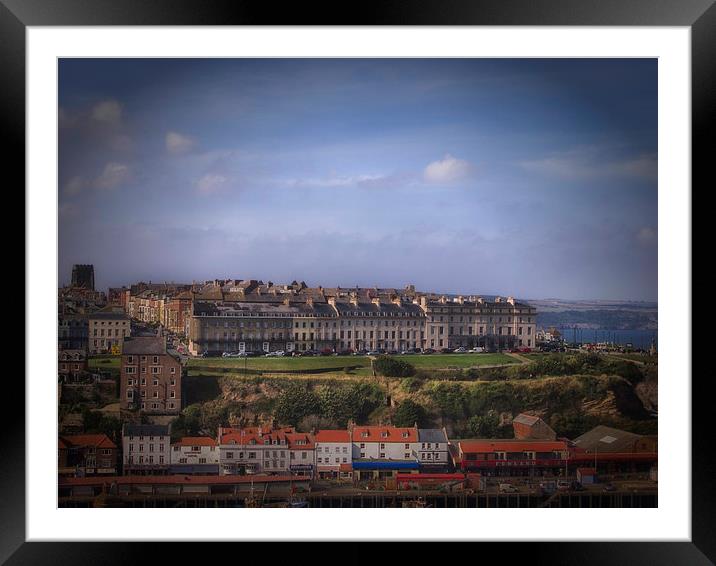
(390, 367)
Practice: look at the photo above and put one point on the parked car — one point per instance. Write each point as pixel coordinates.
(508, 488)
(609, 487)
(477, 350)
(392, 352)
(327, 352)
(407, 353)
(428, 351)
(445, 351)
(548, 486)
(361, 353)
(576, 486)
(460, 350)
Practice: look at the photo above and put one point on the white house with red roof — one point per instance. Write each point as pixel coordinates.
(334, 454)
(384, 451)
(195, 455)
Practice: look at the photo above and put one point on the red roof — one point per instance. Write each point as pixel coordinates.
(384, 434)
(95, 440)
(332, 436)
(307, 442)
(195, 441)
(488, 446)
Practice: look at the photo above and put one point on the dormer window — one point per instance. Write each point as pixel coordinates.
(364, 434)
(405, 435)
(384, 434)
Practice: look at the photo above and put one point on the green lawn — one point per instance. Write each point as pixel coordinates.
(434, 361)
(439, 361)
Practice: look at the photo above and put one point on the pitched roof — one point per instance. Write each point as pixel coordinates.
(607, 439)
(82, 440)
(144, 345)
(384, 434)
(432, 435)
(332, 436)
(526, 419)
(145, 430)
(509, 445)
(195, 441)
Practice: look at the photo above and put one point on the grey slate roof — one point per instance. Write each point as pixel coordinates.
(432, 435)
(144, 345)
(607, 439)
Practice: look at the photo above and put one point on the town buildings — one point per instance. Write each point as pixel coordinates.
(334, 454)
(195, 455)
(512, 457)
(87, 455)
(146, 448)
(532, 427)
(108, 327)
(71, 364)
(252, 316)
(150, 377)
(433, 449)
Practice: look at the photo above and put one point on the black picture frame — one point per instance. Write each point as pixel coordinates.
(699, 15)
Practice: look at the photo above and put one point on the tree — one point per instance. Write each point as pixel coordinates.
(408, 413)
(486, 426)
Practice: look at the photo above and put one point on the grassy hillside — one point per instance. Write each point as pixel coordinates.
(572, 392)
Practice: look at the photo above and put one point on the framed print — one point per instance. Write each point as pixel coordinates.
(413, 272)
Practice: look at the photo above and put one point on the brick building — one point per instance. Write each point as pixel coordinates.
(150, 377)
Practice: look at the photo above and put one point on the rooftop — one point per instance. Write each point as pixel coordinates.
(145, 430)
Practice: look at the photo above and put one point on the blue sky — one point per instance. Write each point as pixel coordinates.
(533, 178)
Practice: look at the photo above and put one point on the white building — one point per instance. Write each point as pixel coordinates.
(432, 448)
(334, 454)
(146, 449)
(195, 455)
(253, 450)
(384, 442)
(302, 453)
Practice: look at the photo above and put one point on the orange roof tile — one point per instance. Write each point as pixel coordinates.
(96, 440)
(332, 436)
(384, 434)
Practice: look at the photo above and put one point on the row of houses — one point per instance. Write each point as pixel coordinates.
(358, 453)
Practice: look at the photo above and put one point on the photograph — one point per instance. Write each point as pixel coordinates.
(352, 282)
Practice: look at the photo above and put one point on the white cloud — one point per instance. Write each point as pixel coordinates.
(646, 235)
(448, 170)
(178, 143)
(75, 186)
(107, 111)
(113, 175)
(211, 183)
(336, 181)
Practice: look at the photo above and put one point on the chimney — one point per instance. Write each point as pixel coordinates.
(443, 299)
(498, 299)
(461, 299)
(331, 300)
(287, 301)
(354, 300)
(397, 300)
(375, 301)
(511, 300)
(309, 302)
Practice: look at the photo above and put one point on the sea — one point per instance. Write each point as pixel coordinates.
(641, 339)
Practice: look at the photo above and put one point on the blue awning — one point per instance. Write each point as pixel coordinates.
(385, 465)
(194, 469)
